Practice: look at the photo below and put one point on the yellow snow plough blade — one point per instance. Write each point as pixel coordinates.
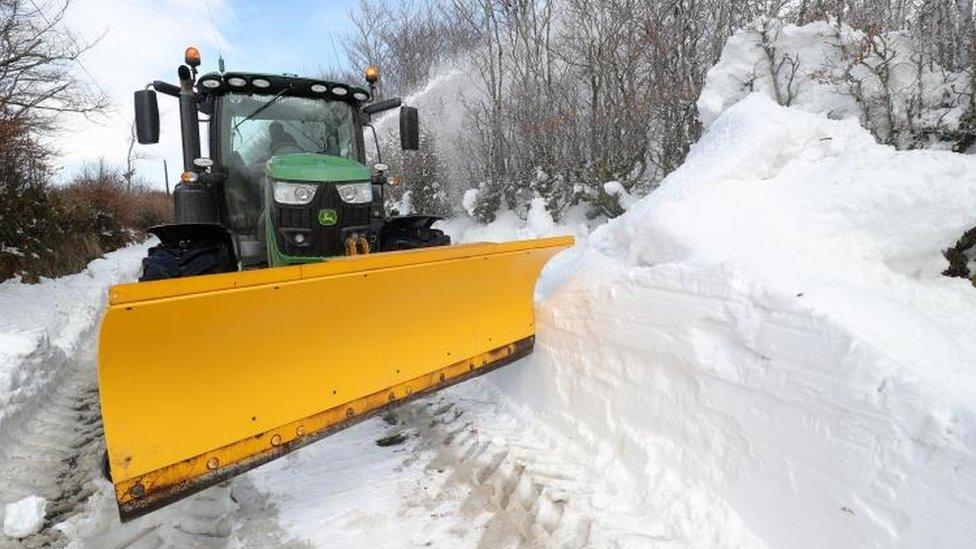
(203, 378)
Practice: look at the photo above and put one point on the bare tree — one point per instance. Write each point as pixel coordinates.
(38, 64)
(782, 67)
(131, 156)
(572, 94)
(406, 40)
(367, 47)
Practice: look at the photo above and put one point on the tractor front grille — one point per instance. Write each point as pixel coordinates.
(323, 240)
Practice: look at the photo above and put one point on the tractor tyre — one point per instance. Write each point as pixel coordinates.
(413, 235)
(422, 238)
(189, 258)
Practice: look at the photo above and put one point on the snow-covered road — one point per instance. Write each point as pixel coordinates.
(453, 468)
(458, 467)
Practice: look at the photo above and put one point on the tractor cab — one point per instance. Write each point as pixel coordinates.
(247, 130)
(295, 182)
(286, 179)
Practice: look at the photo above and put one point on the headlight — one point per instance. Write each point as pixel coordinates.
(356, 193)
(293, 193)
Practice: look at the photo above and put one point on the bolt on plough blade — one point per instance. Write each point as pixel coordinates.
(203, 378)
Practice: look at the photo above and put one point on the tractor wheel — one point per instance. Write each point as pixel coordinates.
(422, 238)
(409, 238)
(187, 259)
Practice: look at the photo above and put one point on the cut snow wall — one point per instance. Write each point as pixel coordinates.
(763, 350)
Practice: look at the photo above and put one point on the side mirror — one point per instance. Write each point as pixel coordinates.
(147, 117)
(409, 129)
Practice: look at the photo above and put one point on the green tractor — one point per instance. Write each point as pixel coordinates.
(202, 378)
(285, 181)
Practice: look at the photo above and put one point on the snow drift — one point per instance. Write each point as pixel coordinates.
(43, 324)
(763, 352)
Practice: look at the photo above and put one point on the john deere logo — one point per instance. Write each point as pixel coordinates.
(328, 217)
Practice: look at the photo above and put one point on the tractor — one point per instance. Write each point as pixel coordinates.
(284, 304)
(286, 179)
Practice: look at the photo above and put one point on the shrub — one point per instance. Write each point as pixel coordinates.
(52, 231)
(151, 208)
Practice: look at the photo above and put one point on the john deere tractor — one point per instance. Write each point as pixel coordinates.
(285, 181)
(297, 328)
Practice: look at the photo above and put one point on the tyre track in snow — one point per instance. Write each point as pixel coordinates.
(514, 493)
(52, 444)
(53, 448)
(456, 469)
(491, 488)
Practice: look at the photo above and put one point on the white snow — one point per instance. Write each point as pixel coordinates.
(829, 59)
(765, 344)
(42, 323)
(472, 472)
(25, 517)
(616, 188)
(443, 100)
(507, 225)
(469, 201)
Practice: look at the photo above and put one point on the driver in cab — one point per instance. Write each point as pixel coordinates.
(280, 139)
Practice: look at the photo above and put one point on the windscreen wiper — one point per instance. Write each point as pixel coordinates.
(260, 109)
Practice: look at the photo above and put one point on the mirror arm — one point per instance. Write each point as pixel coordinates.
(164, 88)
(382, 106)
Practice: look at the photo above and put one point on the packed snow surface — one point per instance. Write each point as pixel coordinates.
(25, 517)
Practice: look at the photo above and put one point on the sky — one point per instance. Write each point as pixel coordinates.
(143, 40)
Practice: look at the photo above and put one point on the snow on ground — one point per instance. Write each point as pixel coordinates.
(509, 226)
(42, 324)
(463, 470)
(25, 517)
(762, 353)
(765, 344)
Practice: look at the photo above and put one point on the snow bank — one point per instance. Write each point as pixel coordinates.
(42, 324)
(25, 517)
(763, 352)
(823, 66)
(509, 226)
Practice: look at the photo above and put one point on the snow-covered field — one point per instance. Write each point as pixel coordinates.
(761, 353)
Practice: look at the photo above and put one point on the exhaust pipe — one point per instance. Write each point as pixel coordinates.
(189, 125)
(192, 202)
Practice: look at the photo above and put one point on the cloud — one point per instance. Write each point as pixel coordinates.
(141, 41)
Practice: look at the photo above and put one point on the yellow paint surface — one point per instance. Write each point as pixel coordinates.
(191, 365)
